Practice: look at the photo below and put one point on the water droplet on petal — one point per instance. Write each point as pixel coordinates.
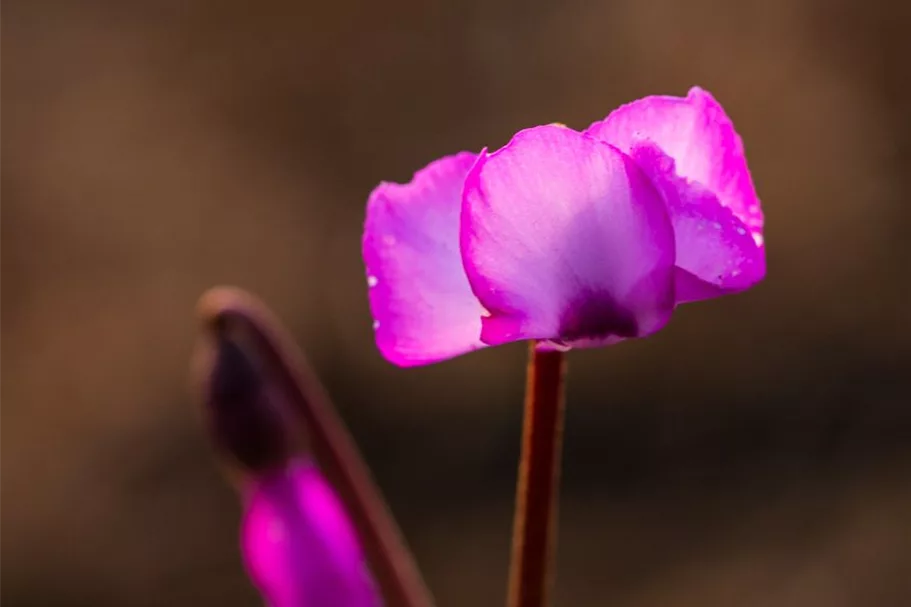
(376, 325)
(372, 281)
(741, 231)
(716, 225)
(759, 239)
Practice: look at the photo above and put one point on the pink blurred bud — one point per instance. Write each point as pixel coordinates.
(298, 545)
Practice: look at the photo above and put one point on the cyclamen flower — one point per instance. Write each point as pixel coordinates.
(570, 239)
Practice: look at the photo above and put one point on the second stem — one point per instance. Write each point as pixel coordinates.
(535, 527)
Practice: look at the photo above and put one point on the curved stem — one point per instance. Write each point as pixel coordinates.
(330, 442)
(535, 525)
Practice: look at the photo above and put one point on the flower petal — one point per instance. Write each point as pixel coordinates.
(298, 545)
(422, 305)
(716, 254)
(689, 148)
(565, 239)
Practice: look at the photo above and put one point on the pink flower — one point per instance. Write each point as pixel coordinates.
(572, 239)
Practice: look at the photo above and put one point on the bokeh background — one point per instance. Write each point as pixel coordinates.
(755, 453)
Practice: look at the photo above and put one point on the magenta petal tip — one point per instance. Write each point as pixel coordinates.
(298, 545)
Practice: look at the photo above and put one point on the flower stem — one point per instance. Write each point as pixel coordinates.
(535, 525)
(330, 442)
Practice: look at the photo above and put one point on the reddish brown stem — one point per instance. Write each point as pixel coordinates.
(535, 526)
(331, 444)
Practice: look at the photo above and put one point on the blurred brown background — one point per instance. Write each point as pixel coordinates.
(755, 453)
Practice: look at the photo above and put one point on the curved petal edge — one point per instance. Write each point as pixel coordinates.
(423, 308)
(691, 151)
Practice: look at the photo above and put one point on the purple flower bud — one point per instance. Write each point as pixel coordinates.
(298, 544)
